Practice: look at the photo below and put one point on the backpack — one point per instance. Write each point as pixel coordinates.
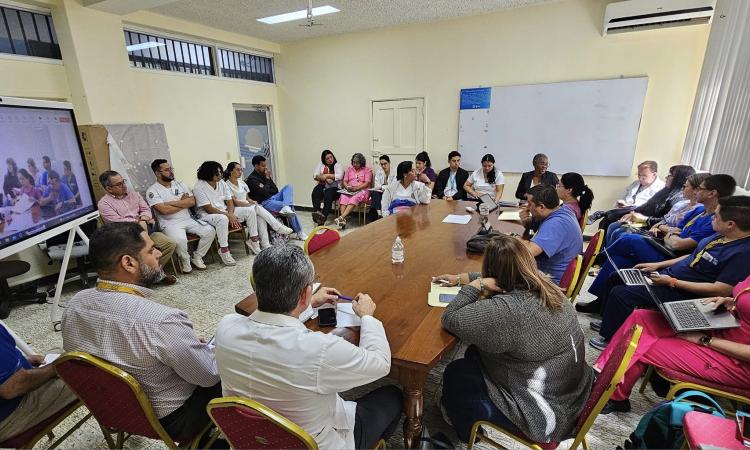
(661, 427)
(478, 242)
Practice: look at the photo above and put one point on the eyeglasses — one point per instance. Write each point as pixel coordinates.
(120, 184)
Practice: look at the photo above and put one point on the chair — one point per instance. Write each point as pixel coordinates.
(116, 400)
(681, 381)
(10, 269)
(602, 390)
(243, 236)
(703, 430)
(592, 251)
(570, 277)
(320, 237)
(30, 437)
(582, 220)
(361, 210)
(248, 424)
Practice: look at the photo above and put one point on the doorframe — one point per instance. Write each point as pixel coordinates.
(372, 124)
(268, 109)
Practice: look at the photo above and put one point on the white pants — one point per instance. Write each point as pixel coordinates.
(177, 231)
(265, 219)
(221, 223)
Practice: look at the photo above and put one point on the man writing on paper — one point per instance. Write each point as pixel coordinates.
(298, 372)
(558, 237)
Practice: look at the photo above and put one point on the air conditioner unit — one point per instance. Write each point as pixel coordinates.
(635, 15)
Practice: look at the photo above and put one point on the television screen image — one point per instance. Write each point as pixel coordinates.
(45, 182)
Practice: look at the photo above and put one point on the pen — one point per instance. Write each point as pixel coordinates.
(344, 297)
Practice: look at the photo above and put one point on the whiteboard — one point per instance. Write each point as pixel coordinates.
(589, 127)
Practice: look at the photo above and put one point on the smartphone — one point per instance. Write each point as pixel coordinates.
(446, 298)
(327, 317)
(743, 427)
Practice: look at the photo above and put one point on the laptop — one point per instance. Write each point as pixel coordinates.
(489, 201)
(631, 277)
(682, 315)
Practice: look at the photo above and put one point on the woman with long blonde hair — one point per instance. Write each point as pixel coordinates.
(525, 367)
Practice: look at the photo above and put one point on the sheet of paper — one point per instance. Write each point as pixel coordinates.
(345, 192)
(441, 296)
(509, 215)
(345, 316)
(48, 358)
(461, 219)
(374, 190)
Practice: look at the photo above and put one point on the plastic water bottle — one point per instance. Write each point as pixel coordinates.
(397, 251)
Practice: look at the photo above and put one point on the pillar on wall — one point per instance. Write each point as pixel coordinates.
(718, 138)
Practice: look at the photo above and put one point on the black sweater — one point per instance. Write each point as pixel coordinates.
(549, 178)
(442, 181)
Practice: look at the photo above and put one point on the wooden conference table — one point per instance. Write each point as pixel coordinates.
(361, 262)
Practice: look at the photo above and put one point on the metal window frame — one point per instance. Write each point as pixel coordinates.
(34, 14)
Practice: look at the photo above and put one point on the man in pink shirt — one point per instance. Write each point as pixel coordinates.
(119, 205)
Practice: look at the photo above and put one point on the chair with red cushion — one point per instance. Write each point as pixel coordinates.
(248, 424)
(570, 277)
(702, 430)
(30, 437)
(605, 384)
(320, 237)
(592, 251)
(116, 400)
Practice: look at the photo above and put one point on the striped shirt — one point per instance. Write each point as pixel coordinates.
(154, 343)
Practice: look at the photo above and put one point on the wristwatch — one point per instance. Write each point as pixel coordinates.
(705, 340)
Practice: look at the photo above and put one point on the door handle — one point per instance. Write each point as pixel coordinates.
(375, 140)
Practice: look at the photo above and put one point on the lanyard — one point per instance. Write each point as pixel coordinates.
(105, 286)
(692, 221)
(710, 245)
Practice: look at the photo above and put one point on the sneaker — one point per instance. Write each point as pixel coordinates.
(595, 325)
(254, 246)
(169, 279)
(595, 216)
(598, 343)
(284, 230)
(594, 272)
(301, 236)
(226, 258)
(318, 218)
(197, 261)
(286, 211)
(185, 266)
(616, 406)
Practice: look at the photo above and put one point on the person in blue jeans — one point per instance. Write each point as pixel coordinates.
(632, 249)
(718, 263)
(264, 191)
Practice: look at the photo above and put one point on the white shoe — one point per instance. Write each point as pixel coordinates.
(286, 211)
(284, 230)
(226, 258)
(301, 236)
(254, 246)
(197, 261)
(265, 245)
(185, 266)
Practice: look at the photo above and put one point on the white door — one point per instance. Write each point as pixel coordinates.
(254, 135)
(397, 129)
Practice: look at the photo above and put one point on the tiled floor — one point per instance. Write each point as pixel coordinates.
(208, 295)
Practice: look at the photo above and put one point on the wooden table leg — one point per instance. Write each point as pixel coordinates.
(412, 381)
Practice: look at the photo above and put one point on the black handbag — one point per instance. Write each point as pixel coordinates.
(478, 242)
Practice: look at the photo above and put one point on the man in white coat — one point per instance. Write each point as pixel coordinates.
(273, 358)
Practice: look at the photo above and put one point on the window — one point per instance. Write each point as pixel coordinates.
(155, 52)
(27, 33)
(236, 64)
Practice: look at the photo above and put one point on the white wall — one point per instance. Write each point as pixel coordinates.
(95, 76)
(326, 84)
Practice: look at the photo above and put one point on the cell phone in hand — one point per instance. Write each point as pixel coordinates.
(327, 317)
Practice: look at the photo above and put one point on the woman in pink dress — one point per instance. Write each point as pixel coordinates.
(357, 179)
(721, 357)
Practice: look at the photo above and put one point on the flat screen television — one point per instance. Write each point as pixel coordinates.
(46, 189)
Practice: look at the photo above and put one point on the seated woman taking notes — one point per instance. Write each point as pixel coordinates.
(487, 180)
(529, 374)
(357, 179)
(405, 192)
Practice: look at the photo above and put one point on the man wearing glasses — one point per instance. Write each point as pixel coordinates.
(172, 201)
(120, 205)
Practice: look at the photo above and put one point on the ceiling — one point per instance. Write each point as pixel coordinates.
(240, 16)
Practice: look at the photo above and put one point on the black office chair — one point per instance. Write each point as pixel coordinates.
(10, 269)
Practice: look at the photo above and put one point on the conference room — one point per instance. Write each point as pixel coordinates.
(401, 149)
